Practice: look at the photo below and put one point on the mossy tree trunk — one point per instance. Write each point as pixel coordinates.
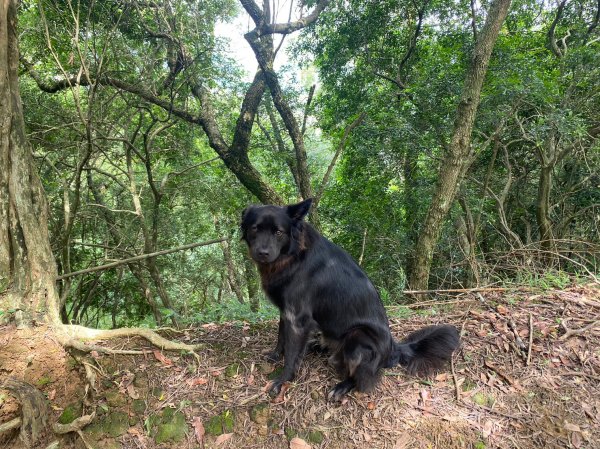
(27, 266)
(459, 155)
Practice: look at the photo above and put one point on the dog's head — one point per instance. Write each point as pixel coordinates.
(272, 231)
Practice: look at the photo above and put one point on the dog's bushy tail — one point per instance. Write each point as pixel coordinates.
(425, 350)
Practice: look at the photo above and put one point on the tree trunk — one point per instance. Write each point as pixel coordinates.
(251, 284)
(229, 263)
(459, 155)
(27, 266)
(542, 209)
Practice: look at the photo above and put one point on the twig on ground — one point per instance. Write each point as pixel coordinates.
(570, 332)
(435, 303)
(512, 382)
(581, 301)
(530, 338)
(490, 410)
(520, 344)
(456, 387)
(471, 290)
(578, 373)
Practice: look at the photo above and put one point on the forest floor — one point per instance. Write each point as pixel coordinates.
(493, 397)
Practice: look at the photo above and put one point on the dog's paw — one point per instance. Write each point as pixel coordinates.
(339, 392)
(273, 356)
(274, 387)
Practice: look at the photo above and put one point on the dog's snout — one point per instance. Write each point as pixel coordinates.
(263, 253)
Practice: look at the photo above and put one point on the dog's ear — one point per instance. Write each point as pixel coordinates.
(245, 212)
(299, 211)
(242, 224)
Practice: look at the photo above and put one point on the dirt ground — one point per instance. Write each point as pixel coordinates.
(504, 390)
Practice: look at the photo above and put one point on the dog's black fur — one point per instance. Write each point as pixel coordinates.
(319, 288)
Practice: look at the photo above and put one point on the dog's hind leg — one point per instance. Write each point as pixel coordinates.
(358, 360)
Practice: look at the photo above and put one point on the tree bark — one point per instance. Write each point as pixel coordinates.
(543, 207)
(251, 284)
(458, 158)
(27, 266)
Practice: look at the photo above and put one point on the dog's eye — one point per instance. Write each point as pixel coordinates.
(279, 233)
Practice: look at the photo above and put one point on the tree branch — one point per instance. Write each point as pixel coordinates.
(338, 151)
(290, 27)
(551, 32)
(140, 257)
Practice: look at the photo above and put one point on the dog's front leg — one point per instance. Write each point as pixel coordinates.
(276, 354)
(295, 336)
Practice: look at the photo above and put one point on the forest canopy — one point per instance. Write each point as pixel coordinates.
(446, 144)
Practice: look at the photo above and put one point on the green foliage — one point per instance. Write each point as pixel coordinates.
(547, 280)
(233, 310)
(125, 176)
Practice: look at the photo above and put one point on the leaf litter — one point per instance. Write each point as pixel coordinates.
(493, 398)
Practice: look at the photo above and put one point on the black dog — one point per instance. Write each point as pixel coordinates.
(318, 287)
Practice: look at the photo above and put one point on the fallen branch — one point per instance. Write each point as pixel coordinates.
(140, 257)
(581, 301)
(416, 305)
(470, 290)
(530, 338)
(570, 332)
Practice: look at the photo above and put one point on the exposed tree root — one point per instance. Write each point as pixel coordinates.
(74, 426)
(12, 424)
(72, 336)
(34, 410)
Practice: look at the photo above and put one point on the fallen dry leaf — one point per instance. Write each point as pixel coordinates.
(442, 377)
(299, 443)
(402, 442)
(198, 429)
(572, 427)
(487, 429)
(52, 394)
(222, 438)
(131, 391)
(161, 358)
(576, 440)
(196, 381)
(425, 395)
